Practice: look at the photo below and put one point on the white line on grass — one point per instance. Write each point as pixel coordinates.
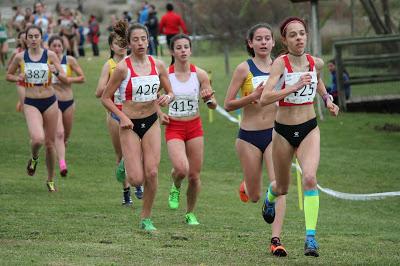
(336, 194)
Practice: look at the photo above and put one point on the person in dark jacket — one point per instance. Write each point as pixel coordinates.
(152, 26)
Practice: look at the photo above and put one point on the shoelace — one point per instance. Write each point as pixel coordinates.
(175, 195)
(311, 243)
(276, 241)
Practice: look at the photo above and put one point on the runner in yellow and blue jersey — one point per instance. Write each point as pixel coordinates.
(65, 98)
(117, 54)
(255, 133)
(40, 105)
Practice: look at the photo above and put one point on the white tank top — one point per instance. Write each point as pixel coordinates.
(186, 102)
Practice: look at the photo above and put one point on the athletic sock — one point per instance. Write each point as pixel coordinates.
(62, 164)
(271, 195)
(311, 207)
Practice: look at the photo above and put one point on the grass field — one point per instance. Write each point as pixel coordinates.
(85, 224)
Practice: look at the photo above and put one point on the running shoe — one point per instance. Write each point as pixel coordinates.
(268, 210)
(50, 186)
(311, 247)
(120, 171)
(242, 193)
(64, 172)
(191, 219)
(276, 247)
(173, 199)
(139, 192)
(126, 198)
(147, 225)
(31, 167)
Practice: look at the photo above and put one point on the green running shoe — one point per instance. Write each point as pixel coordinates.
(191, 219)
(31, 167)
(173, 199)
(50, 186)
(147, 225)
(120, 171)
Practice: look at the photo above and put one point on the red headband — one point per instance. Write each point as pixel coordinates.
(283, 31)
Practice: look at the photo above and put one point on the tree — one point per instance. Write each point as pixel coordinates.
(380, 27)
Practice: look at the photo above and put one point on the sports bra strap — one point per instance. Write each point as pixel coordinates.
(171, 69)
(153, 66)
(311, 61)
(287, 63)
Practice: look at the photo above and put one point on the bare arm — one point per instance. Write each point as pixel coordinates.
(104, 77)
(76, 68)
(231, 102)
(206, 92)
(270, 95)
(55, 67)
(113, 84)
(11, 59)
(12, 69)
(165, 99)
(321, 89)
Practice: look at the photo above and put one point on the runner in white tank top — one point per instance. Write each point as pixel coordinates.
(184, 132)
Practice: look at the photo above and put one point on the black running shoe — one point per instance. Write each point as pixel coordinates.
(31, 167)
(268, 211)
(126, 199)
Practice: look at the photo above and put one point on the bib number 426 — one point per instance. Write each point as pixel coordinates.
(147, 89)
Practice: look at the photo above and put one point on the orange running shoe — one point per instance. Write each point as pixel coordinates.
(242, 193)
(276, 247)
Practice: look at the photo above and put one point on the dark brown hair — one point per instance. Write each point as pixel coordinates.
(33, 27)
(289, 20)
(124, 32)
(250, 36)
(55, 38)
(172, 44)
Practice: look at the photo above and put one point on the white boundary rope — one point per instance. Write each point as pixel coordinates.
(348, 196)
(330, 192)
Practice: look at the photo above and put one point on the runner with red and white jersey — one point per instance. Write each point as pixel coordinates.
(184, 132)
(296, 131)
(117, 54)
(140, 132)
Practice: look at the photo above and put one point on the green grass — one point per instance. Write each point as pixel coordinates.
(84, 224)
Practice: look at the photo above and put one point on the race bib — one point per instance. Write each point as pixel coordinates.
(145, 88)
(305, 94)
(54, 79)
(184, 105)
(36, 73)
(257, 80)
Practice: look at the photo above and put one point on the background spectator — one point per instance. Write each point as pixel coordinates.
(171, 23)
(144, 13)
(94, 34)
(152, 26)
(332, 89)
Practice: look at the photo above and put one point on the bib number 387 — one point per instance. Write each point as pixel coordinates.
(36, 73)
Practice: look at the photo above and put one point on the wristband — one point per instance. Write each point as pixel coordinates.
(56, 73)
(327, 96)
(169, 98)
